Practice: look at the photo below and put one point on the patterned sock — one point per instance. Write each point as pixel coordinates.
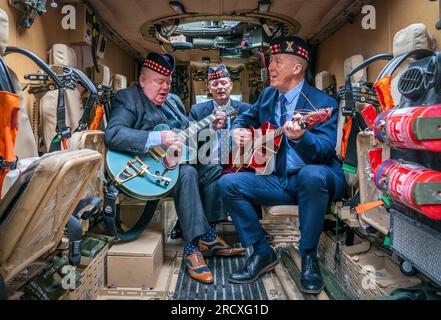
(211, 235)
(190, 248)
(261, 247)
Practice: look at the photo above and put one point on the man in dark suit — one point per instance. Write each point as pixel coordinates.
(210, 162)
(135, 112)
(306, 173)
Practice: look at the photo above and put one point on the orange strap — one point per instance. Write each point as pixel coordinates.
(9, 108)
(344, 141)
(382, 87)
(368, 206)
(99, 113)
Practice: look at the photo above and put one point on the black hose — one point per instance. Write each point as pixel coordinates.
(37, 61)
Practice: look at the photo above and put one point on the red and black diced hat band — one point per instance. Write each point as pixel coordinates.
(290, 45)
(160, 63)
(218, 72)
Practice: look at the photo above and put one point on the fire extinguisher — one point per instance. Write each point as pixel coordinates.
(410, 128)
(411, 184)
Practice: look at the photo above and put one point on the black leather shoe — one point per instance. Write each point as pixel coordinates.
(254, 267)
(176, 232)
(311, 280)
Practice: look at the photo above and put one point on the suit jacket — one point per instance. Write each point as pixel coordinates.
(204, 109)
(201, 110)
(317, 146)
(134, 116)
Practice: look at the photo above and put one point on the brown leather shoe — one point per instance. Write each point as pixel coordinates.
(219, 247)
(197, 268)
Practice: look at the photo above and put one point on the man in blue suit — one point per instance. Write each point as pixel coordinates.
(306, 173)
(210, 165)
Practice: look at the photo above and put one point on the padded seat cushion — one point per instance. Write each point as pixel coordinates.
(324, 80)
(48, 112)
(4, 31)
(119, 82)
(411, 38)
(61, 54)
(102, 77)
(37, 219)
(350, 63)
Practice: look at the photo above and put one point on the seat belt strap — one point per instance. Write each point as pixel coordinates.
(111, 216)
(75, 234)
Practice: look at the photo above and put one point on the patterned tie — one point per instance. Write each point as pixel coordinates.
(223, 139)
(171, 117)
(281, 154)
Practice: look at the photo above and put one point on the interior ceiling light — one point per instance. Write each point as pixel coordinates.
(264, 6)
(177, 7)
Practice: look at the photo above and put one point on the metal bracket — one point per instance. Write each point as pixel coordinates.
(132, 170)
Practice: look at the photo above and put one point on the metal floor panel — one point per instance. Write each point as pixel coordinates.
(221, 289)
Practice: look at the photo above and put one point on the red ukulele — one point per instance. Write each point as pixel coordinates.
(256, 154)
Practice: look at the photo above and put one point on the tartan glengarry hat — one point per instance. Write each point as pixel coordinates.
(161, 63)
(290, 45)
(218, 72)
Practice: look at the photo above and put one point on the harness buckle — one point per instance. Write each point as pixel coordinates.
(4, 165)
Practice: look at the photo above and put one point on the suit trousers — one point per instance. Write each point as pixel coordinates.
(196, 199)
(312, 188)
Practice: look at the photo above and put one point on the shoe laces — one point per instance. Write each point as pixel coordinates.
(197, 259)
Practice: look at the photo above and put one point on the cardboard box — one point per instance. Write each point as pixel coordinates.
(136, 264)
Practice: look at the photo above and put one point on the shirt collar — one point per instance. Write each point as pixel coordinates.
(226, 106)
(293, 93)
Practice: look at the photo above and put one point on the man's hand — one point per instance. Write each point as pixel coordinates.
(171, 141)
(241, 136)
(174, 153)
(221, 118)
(169, 138)
(293, 129)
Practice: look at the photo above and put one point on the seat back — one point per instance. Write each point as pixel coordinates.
(92, 140)
(325, 82)
(60, 54)
(101, 77)
(350, 63)
(119, 82)
(35, 222)
(25, 145)
(406, 40)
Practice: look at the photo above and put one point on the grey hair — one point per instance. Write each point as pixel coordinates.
(302, 62)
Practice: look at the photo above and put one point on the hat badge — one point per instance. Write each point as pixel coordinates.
(289, 46)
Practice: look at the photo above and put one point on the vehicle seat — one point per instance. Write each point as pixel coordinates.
(60, 54)
(350, 63)
(119, 82)
(25, 144)
(34, 213)
(93, 139)
(323, 80)
(406, 40)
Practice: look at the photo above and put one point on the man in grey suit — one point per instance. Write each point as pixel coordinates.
(135, 112)
(209, 167)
